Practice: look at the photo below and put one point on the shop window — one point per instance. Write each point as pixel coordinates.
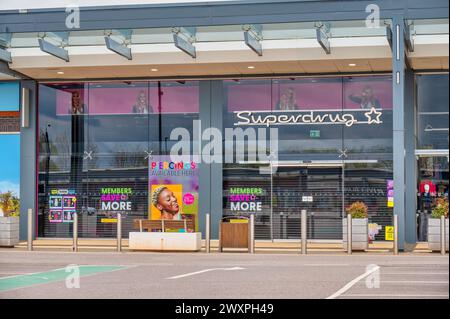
(368, 99)
(334, 148)
(432, 111)
(96, 138)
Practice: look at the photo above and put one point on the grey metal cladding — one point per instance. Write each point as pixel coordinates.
(217, 13)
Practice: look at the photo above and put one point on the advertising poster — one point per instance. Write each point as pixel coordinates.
(114, 200)
(390, 193)
(245, 200)
(55, 202)
(69, 202)
(68, 216)
(173, 189)
(55, 216)
(62, 205)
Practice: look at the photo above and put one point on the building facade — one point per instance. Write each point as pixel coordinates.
(272, 107)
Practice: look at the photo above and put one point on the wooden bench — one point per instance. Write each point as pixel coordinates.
(163, 225)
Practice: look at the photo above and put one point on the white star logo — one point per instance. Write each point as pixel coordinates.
(373, 116)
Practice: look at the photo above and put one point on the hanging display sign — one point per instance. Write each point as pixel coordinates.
(312, 117)
(62, 205)
(245, 199)
(173, 189)
(114, 200)
(389, 233)
(390, 193)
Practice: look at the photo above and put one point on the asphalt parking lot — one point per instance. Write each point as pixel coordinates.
(44, 274)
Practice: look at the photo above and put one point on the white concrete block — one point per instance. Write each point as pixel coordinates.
(165, 241)
(434, 234)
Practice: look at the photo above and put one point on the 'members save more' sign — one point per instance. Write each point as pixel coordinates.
(116, 199)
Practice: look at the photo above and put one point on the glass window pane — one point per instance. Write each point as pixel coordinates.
(433, 110)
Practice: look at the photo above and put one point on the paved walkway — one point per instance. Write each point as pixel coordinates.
(39, 274)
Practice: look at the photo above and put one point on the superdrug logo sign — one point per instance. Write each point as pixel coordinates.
(313, 117)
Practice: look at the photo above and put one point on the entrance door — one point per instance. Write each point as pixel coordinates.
(318, 189)
(432, 185)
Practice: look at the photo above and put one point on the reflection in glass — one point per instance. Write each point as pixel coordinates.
(432, 113)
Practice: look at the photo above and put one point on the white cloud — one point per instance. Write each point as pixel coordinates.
(9, 186)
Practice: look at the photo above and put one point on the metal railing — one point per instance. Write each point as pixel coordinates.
(30, 230)
(208, 233)
(304, 232)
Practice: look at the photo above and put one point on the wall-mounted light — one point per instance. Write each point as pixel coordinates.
(25, 108)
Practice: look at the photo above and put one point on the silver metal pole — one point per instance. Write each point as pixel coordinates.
(349, 234)
(208, 233)
(395, 234)
(75, 233)
(443, 235)
(119, 232)
(30, 230)
(251, 249)
(304, 231)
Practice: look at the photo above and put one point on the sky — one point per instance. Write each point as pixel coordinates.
(10, 163)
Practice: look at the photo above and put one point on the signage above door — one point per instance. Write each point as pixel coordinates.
(313, 117)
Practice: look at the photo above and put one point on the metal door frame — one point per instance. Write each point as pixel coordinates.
(293, 164)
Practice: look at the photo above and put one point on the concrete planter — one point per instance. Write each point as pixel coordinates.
(9, 231)
(360, 234)
(434, 234)
(160, 241)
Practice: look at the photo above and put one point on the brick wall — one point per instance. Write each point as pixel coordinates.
(9, 124)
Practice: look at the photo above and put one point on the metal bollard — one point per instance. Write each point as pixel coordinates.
(208, 233)
(304, 231)
(349, 234)
(251, 243)
(75, 233)
(119, 232)
(30, 230)
(443, 235)
(395, 234)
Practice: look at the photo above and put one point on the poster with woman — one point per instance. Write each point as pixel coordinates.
(173, 191)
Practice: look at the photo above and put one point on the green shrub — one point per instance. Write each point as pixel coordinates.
(358, 210)
(440, 208)
(9, 204)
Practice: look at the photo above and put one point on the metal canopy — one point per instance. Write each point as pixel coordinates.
(323, 36)
(409, 32)
(5, 41)
(121, 46)
(184, 38)
(389, 35)
(57, 50)
(253, 36)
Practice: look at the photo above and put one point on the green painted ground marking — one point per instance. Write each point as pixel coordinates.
(20, 281)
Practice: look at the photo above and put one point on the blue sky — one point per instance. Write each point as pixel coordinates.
(10, 163)
(9, 96)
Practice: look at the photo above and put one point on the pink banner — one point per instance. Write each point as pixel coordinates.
(380, 89)
(353, 93)
(128, 100)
